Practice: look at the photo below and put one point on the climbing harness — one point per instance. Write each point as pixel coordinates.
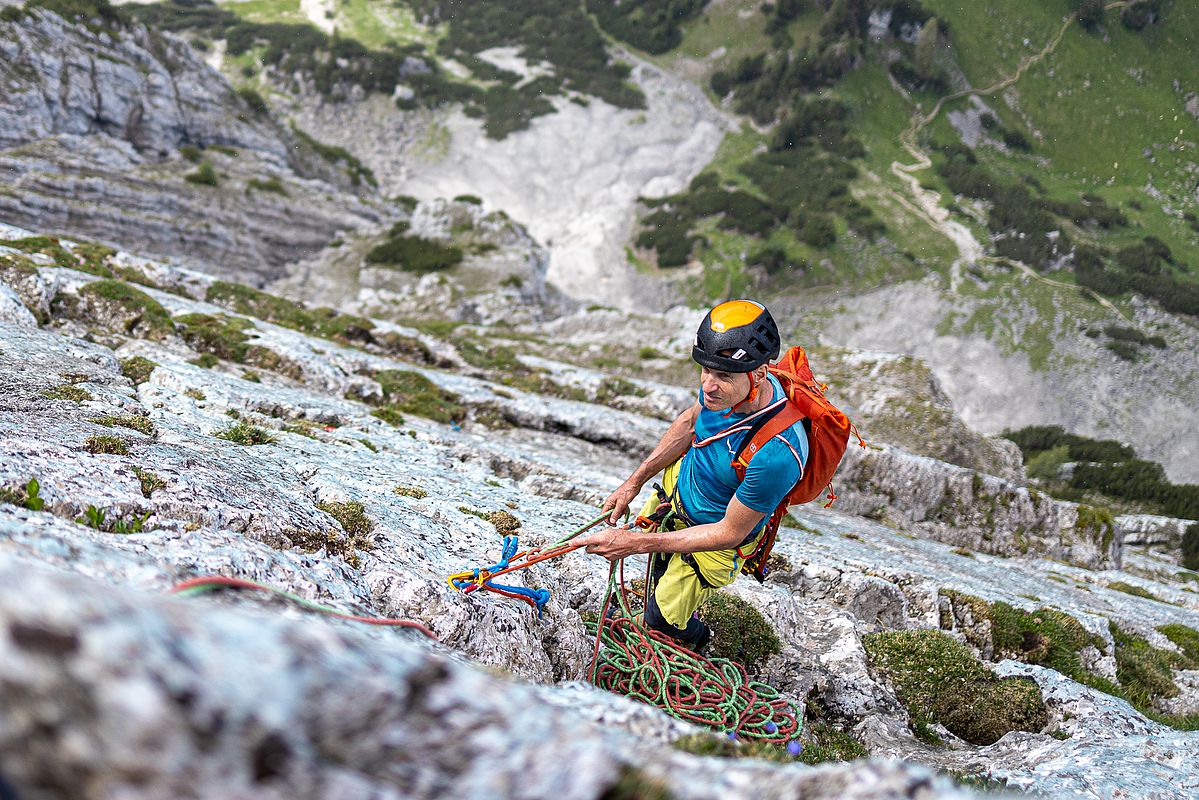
(633, 660)
(195, 586)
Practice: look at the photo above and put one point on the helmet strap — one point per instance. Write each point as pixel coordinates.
(749, 398)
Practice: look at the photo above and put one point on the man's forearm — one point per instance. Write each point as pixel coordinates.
(671, 447)
(696, 539)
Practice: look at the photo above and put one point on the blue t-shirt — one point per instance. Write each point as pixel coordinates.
(707, 480)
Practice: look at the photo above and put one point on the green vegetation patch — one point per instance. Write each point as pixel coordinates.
(26, 496)
(104, 444)
(1136, 591)
(147, 317)
(222, 336)
(139, 424)
(940, 681)
(137, 369)
(85, 256)
(149, 481)
(323, 322)
(739, 631)
(203, 175)
(354, 521)
(649, 25)
(1146, 672)
(1185, 637)
(68, 392)
(271, 184)
(246, 434)
(1190, 546)
(721, 746)
(414, 253)
(1105, 469)
(410, 392)
(358, 172)
(414, 492)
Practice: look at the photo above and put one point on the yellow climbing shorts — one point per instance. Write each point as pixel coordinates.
(679, 591)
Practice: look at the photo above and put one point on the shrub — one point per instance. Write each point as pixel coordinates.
(415, 254)
(940, 681)
(253, 100)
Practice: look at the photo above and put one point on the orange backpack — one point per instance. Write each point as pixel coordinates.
(828, 432)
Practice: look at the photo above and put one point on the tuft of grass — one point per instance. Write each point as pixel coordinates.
(137, 369)
(139, 424)
(1145, 672)
(940, 681)
(1135, 591)
(203, 175)
(369, 445)
(108, 445)
(411, 491)
(1185, 637)
(196, 394)
(357, 526)
(389, 415)
(149, 481)
(739, 631)
(633, 784)
(271, 184)
(68, 392)
(505, 524)
(828, 743)
(247, 434)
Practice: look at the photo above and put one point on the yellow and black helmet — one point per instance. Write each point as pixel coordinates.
(737, 336)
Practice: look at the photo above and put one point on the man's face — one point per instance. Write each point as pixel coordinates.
(722, 389)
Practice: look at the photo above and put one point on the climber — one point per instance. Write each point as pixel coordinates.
(707, 520)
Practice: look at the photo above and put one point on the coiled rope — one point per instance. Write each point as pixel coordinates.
(632, 660)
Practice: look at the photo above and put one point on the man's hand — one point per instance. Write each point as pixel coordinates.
(613, 544)
(618, 501)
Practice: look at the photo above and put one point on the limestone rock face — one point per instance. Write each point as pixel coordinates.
(966, 508)
(132, 84)
(91, 124)
(112, 691)
(1150, 530)
(110, 680)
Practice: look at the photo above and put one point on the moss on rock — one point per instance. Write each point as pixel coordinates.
(940, 681)
(137, 369)
(141, 315)
(739, 631)
(410, 392)
(68, 392)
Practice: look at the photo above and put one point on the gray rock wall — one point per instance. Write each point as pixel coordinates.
(966, 508)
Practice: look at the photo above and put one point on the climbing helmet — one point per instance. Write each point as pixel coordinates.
(737, 336)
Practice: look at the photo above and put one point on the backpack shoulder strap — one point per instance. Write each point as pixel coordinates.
(786, 416)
